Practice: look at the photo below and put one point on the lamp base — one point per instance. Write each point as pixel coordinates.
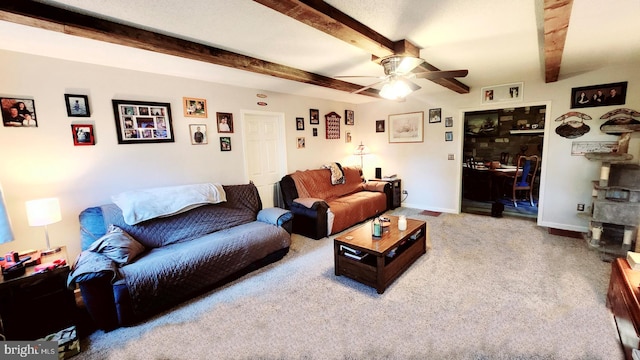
(50, 251)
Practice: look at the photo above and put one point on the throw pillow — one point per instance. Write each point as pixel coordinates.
(117, 245)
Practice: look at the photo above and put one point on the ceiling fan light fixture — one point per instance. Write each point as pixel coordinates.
(395, 89)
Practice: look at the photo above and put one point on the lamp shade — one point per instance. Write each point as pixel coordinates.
(6, 234)
(43, 211)
(361, 150)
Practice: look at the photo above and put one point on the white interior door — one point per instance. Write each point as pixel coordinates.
(265, 153)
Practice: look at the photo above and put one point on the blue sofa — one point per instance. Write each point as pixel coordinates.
(180, 256)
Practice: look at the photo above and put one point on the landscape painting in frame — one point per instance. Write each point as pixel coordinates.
(406, 128)
(140, 122)
(18, 112)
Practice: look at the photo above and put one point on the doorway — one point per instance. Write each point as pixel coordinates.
(265, 154)
(494, 139)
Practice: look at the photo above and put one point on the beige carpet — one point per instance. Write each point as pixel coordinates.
(490, 288)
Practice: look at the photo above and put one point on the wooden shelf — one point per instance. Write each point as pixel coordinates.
(608, 157)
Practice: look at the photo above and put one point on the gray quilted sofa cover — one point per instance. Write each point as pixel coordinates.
(186, 255)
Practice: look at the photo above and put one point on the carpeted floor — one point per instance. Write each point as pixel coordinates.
(488, 289)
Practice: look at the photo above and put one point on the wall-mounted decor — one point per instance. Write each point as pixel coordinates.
(299, 123)
(448, 122)
(315, 131)
(225, 122)
(225, 143)
(435, 115)
(77, 105)
(448, 136)
(300, 143)
(198, 134)
(599, 95)
(82, 134)
(406, 128)
(139, 122)
(579, 148)
(314, 116)
(349, 117)
(193, 107)
(347, 137)
(18, 112)
(333, 125)
(484, 123)
(573, 125)
(502, 93)
(379, 125)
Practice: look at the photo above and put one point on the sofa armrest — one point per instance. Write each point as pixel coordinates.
(276, 216)
(373, 185)
(310, 221)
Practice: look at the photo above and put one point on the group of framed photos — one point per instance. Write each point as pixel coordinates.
(137, 122)
(408, 127)
(332, 125)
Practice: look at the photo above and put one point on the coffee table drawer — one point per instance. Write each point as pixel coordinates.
(357, 270)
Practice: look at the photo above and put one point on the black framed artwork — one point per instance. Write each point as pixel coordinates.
(140, 122)
(18, 112)
(349, 117)
(299, 123)
(225, 143)
(599, 95)
(77, 105)
(314, 116)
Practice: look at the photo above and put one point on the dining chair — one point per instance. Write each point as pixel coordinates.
(504, 158)
(471, 162)
(526, 169)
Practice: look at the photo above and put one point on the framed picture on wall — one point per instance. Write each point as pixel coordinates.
(299, 123)
(194, 107)
(379, 125)
(225, 143)
(599, 95)
(333, 125)
(314, 116)
(198, 134)
(349, 117)
(448, 122)
(435, 115)
(225, 122)
(139, 122)
(448, 136)
(77, 105)
(18, 112)
(502, 93)
(406, 128)
(82, 134)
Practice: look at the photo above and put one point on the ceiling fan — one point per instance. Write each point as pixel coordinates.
(398, 70)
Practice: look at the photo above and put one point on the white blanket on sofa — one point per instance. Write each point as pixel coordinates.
(140, 205)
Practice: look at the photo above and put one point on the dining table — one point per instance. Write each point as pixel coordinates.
(487, 183)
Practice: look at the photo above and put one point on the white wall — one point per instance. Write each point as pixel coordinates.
(42, 162)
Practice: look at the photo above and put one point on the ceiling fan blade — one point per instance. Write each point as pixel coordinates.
(368, 86)
(441, 74)
(356, 76)
(413, 86)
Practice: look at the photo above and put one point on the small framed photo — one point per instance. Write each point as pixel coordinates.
(300, 143)
(347, 137)
(435, 115)
(77, 105)
(448, 121)
(225, 143)
(194, 107)
(448, 136)
(198, 134)
(18, 112)
(314, 117)
(315, 131)
(140, 122)
(502, 93)
(299, 123)
(599, 95)
(349, 117)
(225, 122)
(379, 125)
(82, 134)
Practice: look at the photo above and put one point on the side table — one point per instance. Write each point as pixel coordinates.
(396, 186)
(35, 305)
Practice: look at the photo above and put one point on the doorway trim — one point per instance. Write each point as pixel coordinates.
(545, 149)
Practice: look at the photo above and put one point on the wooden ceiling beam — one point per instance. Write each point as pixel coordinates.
(324, 17)
(556, 25)
(51, 18)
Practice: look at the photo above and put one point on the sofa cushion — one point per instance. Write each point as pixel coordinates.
(356, 207)
(317, 183)
(118, 246)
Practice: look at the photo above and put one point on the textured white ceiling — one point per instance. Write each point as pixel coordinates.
(499, 41)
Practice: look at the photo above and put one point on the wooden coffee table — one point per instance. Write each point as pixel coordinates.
(382, 260)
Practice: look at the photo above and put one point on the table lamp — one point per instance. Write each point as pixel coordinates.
(361, 150)
(6, 234)
(43, 212)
